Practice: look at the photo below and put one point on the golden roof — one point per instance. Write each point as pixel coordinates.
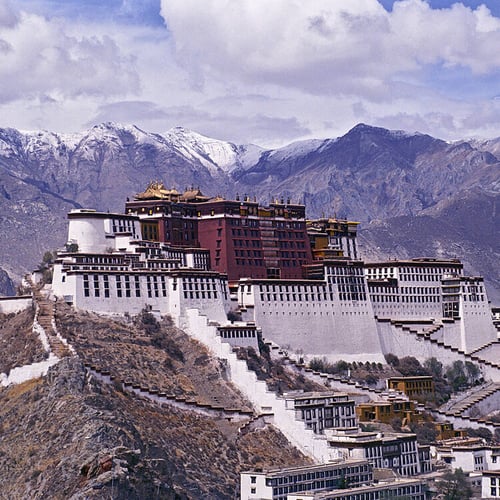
(156, 191)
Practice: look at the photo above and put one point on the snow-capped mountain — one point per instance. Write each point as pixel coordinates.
(390, 181)
(212, 153)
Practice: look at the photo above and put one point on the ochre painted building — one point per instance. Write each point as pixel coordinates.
(413, 387)
(386, 411)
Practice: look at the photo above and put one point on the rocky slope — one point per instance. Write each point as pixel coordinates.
(71, 435)
(387, 180)
(6, 284)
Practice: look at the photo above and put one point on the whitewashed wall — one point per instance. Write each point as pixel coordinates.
(256, 391)
(10, 305)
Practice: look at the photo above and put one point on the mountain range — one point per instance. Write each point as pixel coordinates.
(414, 195)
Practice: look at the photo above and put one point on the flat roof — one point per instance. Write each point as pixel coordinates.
(276, 471)
(420, 261)
(418, 377)
(89, 213)
(313, 394)
(380, 485)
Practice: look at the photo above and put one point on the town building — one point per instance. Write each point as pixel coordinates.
(446, 430)
(397, 451)
(468, 454)
(386, 411)
(409, 489)
(322, 410)
(169, 251)
(418, 387)
(332, 237)
(490, 484)
(276, 484)
(241, 334)
(243, 237)
(318, 317)
(409, 288)
(111, 270)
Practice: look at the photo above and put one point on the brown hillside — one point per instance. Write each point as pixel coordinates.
(70, 435)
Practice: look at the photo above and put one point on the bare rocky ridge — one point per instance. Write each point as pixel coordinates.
(6, 284)
(18, 344)
(372, 175)
(71, 435)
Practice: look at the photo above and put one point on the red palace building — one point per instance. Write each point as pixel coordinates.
(244, 238)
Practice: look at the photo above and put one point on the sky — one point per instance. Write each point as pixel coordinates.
(267, 72)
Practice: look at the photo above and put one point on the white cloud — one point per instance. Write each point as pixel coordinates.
(216, 122)
(328, 46)
(40, 58)
(8, 16)
(263, 71)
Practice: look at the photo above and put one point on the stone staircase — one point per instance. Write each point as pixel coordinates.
(45, 317)
(465, 404)
(336, 382)
(428, 335)
(267, 404)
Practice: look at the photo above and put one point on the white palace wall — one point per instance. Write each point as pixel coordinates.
(396, 341)
(129, 293)
(256, 391)
(477, 326)
(317, 326)
(94, 232)
(15, 304)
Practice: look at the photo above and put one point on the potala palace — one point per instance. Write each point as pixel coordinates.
(300, 282)
(232, 272)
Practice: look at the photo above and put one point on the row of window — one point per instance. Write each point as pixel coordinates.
(319, 474)
(291, 244)
(244, 222)
(200, 295)
(309, 413)
(280, 493)
(432, 270)
(244, 243)
(345, 271)
(123, 226)
(123, 286)
(202, 284)
(407, 299)
(237, 334)
(294, 297)
(248, 253)
(253, 233)
(346, 279)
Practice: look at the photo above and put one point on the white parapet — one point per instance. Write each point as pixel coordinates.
(312, 445)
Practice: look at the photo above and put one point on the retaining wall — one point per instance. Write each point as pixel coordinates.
(10, 305)
(265, 401)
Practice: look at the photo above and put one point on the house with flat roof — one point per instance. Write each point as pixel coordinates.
(322, 410)
(277, 484)
(468, 454)
(397, 451)
(414, 387)
(490, 484)
(409, 489)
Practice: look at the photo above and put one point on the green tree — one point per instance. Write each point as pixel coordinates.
(392, 360)
(454, 486)
(426, 432)
(411, 367)
(341, 366)
(71, 247)
(48, 258)
(481, 432)
(456, 375)
(473, 372)
(434, 367)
